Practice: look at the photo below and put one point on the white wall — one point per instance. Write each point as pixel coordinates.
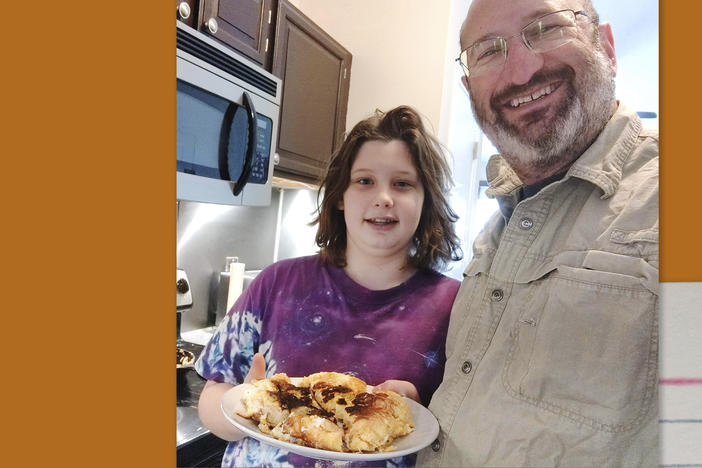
(635, 28)
(398, 51)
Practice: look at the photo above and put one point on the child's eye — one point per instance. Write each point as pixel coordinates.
(403, 183)
(365, 181)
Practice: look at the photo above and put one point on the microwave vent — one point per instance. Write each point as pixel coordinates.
(219, 59)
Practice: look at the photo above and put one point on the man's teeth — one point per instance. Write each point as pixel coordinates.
(523, 100)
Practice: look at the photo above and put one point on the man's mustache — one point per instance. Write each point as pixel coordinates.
(542, 78)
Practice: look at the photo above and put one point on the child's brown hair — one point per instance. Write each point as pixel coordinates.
(435, 242)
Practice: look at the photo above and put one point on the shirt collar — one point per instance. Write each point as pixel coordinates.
(601, 164)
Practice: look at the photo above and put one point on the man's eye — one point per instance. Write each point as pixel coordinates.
(546, 27)
(489, 53)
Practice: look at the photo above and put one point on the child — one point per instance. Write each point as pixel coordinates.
(369, 304)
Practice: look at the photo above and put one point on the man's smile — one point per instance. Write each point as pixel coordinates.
(521, 100)
(540, 90)
(537, 102)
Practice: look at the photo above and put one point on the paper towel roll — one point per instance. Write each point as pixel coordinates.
(236, 283)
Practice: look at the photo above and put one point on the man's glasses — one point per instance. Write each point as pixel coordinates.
(545, 33)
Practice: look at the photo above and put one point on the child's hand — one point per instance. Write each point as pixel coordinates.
(402, 387)
(258, 369)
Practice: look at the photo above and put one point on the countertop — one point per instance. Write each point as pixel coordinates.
(189, 385)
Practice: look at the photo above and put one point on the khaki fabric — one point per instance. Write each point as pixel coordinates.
(553, 342)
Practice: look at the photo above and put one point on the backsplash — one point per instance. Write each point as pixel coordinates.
(208, 233)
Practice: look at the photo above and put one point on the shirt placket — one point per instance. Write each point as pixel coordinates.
(517, 238)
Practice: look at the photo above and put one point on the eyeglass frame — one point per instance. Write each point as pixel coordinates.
(464, 67)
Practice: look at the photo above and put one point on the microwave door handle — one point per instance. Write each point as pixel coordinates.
(251, 149)
(224, 141)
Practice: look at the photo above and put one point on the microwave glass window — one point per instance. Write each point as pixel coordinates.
(199, 116)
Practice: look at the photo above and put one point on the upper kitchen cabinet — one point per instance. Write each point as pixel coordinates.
(245, 25)
(186, 11)
(316, 72)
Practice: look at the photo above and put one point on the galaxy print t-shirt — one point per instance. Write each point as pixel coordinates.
(307, 317)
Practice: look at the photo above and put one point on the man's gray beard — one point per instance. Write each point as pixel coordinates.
(584, 113)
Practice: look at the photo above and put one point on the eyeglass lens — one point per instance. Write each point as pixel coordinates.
(541, 35)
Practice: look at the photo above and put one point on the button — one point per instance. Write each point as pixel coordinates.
(497, 295)
(526, 223)
(436, 445)
(467, 367)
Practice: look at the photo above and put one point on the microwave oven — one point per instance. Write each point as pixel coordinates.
(227, 111)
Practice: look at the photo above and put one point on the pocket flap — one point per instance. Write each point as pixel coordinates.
(597, 260)
(627, 237)
(623, 265)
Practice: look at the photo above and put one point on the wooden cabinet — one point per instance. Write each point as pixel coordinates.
(315, 69)
(245, 25)
(187, 12)
(316, 72)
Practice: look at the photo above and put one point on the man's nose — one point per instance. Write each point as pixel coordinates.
(521, 62)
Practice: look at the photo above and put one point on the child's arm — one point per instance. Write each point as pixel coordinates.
(209, 408)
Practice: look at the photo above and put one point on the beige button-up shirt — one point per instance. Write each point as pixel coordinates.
(553, 342)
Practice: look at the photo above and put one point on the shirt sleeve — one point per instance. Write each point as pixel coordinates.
(228, 355)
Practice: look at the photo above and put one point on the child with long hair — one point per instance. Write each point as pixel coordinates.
(371, 303)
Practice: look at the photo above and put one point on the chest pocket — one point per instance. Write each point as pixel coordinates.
(585, 345)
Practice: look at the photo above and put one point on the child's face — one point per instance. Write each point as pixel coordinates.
(383, 202)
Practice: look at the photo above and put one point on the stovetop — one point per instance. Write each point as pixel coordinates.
(189, 384)
(188, 388)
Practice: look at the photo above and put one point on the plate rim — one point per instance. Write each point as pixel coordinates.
(323, 454)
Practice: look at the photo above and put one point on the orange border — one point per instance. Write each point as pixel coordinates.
(88, 147)
(681, 254)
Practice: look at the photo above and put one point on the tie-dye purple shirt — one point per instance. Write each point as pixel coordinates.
(307, 317)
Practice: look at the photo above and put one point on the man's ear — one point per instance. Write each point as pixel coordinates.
(607, 41)
(464, 80)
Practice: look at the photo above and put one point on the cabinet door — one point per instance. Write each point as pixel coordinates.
(186, 11)
(245, 25)
(316, 72)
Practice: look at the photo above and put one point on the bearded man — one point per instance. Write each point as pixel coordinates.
(552, 346)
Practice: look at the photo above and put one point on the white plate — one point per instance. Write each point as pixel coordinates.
(426, 429)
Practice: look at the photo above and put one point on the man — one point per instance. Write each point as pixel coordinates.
(552, 347)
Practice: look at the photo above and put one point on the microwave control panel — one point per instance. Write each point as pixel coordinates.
(260, 164)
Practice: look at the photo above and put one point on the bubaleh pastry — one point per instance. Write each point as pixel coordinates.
(328, 410)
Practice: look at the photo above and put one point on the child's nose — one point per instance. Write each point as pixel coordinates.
(383, 199)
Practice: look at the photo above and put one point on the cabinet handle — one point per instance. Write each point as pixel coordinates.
(184, 10)
(266, 45)
(344, 73)
(212, 26)
(269, 16)
(276, 159)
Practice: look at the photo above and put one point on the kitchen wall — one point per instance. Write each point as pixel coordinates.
(208, 233)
